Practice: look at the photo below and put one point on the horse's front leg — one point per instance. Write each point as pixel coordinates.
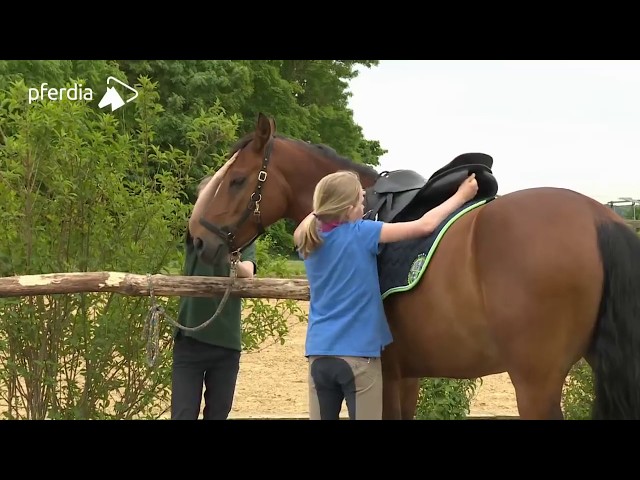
(391, 385)
(409, 391)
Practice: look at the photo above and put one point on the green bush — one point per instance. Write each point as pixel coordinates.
(75, 199)
(82, 192)
(264, 319)
(270, 263)
(445, 399)
(578, 392)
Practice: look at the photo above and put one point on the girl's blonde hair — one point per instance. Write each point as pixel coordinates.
(333, 196)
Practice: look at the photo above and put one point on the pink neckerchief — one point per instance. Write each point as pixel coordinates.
(327, 227)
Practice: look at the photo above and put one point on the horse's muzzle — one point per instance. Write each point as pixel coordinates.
(209, 251)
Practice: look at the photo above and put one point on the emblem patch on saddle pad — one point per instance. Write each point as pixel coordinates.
(416, 267)
(401, 265)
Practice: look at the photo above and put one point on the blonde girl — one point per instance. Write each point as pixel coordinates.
(347, 328)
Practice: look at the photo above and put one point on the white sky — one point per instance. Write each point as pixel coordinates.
(571, 124)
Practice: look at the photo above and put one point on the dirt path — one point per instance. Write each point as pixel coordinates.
(273, 383)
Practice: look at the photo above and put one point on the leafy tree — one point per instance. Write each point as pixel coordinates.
(58, 73)
(219, 99)
(79, 194)
(308, 98)
(69, 206)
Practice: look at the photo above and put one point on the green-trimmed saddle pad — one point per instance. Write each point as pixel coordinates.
(402, 264)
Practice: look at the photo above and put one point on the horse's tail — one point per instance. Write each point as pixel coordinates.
(616, 363)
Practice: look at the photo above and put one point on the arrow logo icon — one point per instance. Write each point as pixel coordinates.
(113, 98)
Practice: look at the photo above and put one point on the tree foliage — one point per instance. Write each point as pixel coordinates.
(82, 190)
(308, 98)
(203, 106)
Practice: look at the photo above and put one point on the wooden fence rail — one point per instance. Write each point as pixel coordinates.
(163, 285)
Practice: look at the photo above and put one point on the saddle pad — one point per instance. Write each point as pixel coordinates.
(402, 264)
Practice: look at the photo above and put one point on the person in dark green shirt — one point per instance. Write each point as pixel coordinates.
(209, 357)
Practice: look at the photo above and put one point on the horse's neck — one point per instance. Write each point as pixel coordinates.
(307, 181)
(367, 180)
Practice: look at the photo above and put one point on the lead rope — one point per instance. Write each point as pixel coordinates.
(151, 331)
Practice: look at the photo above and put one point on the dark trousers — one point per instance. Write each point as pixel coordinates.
(196, 363)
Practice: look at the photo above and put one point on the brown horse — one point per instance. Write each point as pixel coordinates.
(528, 283)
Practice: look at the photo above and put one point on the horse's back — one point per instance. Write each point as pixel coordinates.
(553, 202)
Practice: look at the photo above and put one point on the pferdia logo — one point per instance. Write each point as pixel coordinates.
(111, 98)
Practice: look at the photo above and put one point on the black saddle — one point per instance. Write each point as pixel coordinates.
(402, 195)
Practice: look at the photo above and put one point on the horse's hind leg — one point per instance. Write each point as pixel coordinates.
(538, 398)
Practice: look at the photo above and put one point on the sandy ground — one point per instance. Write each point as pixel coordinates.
(273, 383)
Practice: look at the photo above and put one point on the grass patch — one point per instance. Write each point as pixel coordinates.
(296, 268)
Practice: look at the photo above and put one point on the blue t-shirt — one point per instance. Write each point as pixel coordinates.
(346, 316)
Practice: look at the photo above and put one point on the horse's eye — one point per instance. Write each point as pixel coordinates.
(237, 182)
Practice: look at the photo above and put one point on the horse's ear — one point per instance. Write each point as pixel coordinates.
(265, 129)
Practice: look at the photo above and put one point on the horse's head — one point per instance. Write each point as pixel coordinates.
(233, 210)
(268, 178)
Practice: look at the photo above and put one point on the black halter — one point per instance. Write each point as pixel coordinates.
(228, 233)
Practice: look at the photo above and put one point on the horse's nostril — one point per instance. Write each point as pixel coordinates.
(198, 243)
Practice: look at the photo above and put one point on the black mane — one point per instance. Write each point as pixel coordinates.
(243, 142)
(325, 150)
